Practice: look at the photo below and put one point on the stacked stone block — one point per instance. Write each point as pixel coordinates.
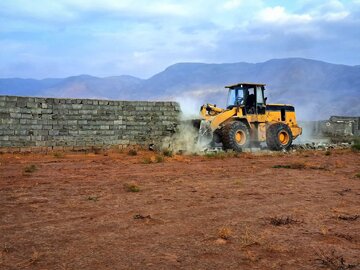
(83, 123)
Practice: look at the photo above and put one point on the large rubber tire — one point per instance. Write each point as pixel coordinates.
(279, 137)
(235, 136)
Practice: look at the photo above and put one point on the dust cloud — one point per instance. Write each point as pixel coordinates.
(187, 139)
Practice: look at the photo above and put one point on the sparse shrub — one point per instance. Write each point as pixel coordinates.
(147, 160)
(323, 168)
(7, 248)
(210, 155)
(334, 261)
(349, 217)
(213, 155)
(344, 236)
(248, 239)
(357, 175)
(59, 155)
(30, 169)
(159, 159)
(131, 187)
(280, 221)
(343, 191)
(27, 263)
(97, 150)
(167, 152)
(238, 183)
(35, 257)
(324, 230)
(132, 152)
(327, 153)
(281, 166)
(356, 145)
(139, 216)
(93, 198)
(222, 155)
(225, 233)
(295, 165)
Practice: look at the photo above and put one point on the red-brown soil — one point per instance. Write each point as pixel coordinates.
(192, 212)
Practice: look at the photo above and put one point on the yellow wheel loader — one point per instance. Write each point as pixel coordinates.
(248, 120)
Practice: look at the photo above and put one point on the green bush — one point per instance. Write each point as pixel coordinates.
(167, 152)
(356, 145)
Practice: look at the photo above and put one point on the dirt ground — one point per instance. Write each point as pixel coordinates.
(115, 211)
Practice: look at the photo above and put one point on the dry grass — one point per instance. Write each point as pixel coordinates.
(324, 230)
(93, 198)
(132, 152)
(248, 238)
(146, 160)
(139, 216)
(30, 168)
(35, 257)
(59, 155)
(7, 248)
(356, 145)
(97, 150)
(348, 217)
(343, 191)
(167, 152)
(333, 261)
(225, 233)
(280, 221)
(131, 187)
(222, 155)
(153, 159)
(295, 165)
(159, 159)
(238, 183)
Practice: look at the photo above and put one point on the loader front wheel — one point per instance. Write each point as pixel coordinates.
(278, 137)
(236, 136)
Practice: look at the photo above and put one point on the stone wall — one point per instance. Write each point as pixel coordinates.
(27, 122)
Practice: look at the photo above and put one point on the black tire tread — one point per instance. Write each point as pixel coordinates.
(228, 136)
(272, 138)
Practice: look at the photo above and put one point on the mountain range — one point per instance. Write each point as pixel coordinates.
(317, 89)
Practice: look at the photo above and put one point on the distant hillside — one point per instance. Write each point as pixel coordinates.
(317, 89)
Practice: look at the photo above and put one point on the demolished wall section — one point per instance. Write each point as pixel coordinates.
(338, 129)
(83, 123)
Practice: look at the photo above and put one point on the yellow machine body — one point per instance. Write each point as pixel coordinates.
(258, 116)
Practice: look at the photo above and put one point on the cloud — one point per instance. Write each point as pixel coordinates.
(138, 37)
(279, 15)
(232, 4)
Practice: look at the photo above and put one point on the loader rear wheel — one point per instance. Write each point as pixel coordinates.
(279, 137)
(235, 136)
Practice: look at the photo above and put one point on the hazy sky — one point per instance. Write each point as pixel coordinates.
(58, 38)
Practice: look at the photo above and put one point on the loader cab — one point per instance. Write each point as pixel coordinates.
(249, 96)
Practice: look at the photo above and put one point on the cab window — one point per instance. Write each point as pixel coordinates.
(259, 95)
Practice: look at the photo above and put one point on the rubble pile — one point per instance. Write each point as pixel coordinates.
(321, 146)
